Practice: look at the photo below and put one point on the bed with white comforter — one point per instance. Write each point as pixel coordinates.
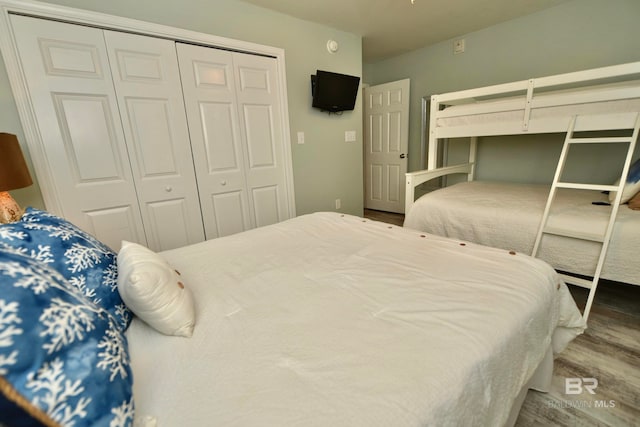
(333, 320)
(507, 215)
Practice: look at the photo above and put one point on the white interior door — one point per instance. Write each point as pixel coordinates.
(67, 72)
(237, 140)
(148, 88)
(386, 113)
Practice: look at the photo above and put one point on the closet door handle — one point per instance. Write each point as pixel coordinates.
(168, 189)
(223, 182)
(402, 156)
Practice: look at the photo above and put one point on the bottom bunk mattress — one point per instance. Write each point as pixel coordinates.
(334, 320)
(507, 216)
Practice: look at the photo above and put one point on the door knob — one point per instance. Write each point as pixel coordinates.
(402, 156)
(168, 189)
(223, 182)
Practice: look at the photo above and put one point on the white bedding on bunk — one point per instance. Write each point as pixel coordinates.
(507, 215)
(608, 107)
(468, 114)
(332, 320)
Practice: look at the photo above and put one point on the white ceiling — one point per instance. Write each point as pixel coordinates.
(392, 27)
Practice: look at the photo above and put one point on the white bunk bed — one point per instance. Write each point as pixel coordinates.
(507, 215)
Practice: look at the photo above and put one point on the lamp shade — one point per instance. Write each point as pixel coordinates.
(14, 172)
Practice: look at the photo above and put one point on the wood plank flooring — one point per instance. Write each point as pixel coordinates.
(608, 351)
(389, 217)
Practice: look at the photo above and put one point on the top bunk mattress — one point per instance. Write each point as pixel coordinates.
(550, 111)
(333, 320)
(554, 112)
(507, 216)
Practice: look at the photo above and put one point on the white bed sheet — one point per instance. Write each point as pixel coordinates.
(332, 320)
(467, 114)
(507, 216)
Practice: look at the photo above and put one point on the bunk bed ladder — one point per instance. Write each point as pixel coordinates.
(603, 239)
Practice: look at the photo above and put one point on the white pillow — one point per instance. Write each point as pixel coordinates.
(631, 186)
(153, 291)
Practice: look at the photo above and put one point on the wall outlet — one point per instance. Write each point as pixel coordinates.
(338, 204)
(458, 46)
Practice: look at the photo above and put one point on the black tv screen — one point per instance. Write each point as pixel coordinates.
(334, 92)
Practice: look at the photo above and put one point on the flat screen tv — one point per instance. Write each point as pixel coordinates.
(334, 92)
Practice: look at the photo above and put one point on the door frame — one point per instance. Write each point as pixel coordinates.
(27, 115)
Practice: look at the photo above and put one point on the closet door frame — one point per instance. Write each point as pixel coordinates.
(49, 11)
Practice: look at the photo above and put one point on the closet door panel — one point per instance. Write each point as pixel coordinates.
(229, 208)
(216, 140)
(92, 156)
(259, 110)
(221, 142)
(260, 139)
(265, 202)
(67, 73)
(151, 136)
(148, 89)
(168, 222)
(114, 224)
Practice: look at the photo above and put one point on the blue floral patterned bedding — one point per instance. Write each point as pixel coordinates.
(88, 264)
(62, 344)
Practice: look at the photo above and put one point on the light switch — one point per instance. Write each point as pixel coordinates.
(350, 136)
(300, 137)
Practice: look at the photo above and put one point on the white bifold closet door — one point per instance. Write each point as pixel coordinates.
(147, 83)
(71, 89)
(236, 134)
(152, 140)
(109, 107)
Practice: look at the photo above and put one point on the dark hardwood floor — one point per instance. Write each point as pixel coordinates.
(389, 217)
(608, 351)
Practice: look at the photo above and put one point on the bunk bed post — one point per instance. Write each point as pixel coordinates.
(527, 105)
(424, 127)
(432, 159)
(409, 195)
(473, 150)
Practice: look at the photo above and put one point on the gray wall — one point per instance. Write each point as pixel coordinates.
(325, 167)
(577, 35)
